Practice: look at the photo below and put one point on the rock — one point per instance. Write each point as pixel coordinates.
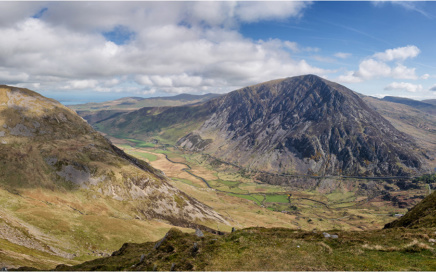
(233, 229)
(173, 266)
(199, 233)
(194, 249)
(142, 258)
(334, 236)
(432, 240)
(159, 243)
(326, 235)
(4, 269)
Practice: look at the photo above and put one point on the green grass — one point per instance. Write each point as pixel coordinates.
(277, 198)
(256, 198)
(142, 155)
(139, 143)
(277, 249)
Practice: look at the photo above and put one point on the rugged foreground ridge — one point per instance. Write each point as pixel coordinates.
(280, 249)
(43, 144)
(283, 249)
(305, 125)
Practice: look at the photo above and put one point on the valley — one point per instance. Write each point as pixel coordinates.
(338, 203)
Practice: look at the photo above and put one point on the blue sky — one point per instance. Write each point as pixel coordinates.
(97, 51)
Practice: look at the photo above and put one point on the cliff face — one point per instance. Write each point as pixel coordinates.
(305, 125)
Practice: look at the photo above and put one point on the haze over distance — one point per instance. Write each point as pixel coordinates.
(79, 52)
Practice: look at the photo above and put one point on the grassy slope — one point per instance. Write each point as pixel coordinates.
(45, 211)
(167, 124)
(420, 125)
(422, 215)
(81, 223)
(277, 249)
(132, 103)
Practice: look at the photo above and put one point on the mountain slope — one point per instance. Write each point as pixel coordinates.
(304, 125)
(134, 103)
(61, 181)
(410, 120)
(274, 249)
(298, 125)
(420, 105)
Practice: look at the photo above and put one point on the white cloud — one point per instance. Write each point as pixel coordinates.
(81, 84)
(177, 46)
(342, 55)
(291, 45)
(349, 77)
(403, 86)
(377, 66)
(371, 68)
(12, 77)
(403, 72)
(400, 53)
(425, 76)
(248, 11)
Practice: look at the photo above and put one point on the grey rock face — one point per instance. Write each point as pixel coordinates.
(199, 233)
(304, 125)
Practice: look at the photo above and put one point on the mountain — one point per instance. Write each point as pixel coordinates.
(410, 120)
(297, 125)
(305, 125)
(134, 103)
(423, 215)
(61, 183)
(421, 105)
(430, 101)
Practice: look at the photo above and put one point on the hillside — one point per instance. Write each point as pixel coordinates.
(423, 215)
(135, 103)
(62, 182)
(410, 120)
(420, 105)
(275, 249)
(405, 244)
(430, 101)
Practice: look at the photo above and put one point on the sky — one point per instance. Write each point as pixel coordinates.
(96, 51)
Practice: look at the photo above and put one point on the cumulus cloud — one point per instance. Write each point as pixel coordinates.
(403, 86)
(400, 53)
(171, 46)
(378, 66)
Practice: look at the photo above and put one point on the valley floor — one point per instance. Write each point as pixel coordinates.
(332, 203)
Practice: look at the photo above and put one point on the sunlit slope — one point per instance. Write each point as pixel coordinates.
(61, 178)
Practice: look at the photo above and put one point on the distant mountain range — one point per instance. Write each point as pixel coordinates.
(134, 103)
(429, 107)
(299, 125)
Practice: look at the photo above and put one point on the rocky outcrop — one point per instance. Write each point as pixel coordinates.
(305, 125)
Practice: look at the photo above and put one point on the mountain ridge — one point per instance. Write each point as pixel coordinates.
(289, 113)
(298, 125)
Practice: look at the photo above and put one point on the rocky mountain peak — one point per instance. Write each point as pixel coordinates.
(306, 125)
